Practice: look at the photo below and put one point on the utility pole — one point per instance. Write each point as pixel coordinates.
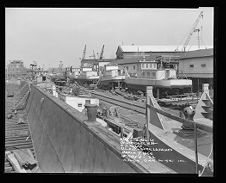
(32, 71)
(61, 66)
(94, 55)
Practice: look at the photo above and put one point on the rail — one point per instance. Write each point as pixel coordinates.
(171, 116)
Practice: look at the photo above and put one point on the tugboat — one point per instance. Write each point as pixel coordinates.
(88, 77)
(162, 75)
(112, 77)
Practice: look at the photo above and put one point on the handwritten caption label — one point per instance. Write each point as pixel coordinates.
(141, 150)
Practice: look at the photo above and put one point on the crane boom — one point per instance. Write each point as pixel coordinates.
(102, 52)
(192, 30)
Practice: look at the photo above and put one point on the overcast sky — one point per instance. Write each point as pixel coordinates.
(48, 35)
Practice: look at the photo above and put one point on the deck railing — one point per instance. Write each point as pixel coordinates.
(149, 107)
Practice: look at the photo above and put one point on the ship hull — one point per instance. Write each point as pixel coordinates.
(87, 81)
(111, 82)
(171, 83)
(161, 88)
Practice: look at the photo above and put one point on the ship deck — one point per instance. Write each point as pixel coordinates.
(175, 133)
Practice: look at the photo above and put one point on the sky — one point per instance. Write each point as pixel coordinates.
(51, 35)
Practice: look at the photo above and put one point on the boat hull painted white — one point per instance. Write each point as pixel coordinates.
(159, 83)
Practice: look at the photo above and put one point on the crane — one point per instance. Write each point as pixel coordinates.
(84, 53)
(198, 30)
(102, 52)
(192, 30)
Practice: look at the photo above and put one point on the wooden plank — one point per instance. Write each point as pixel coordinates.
(11, 158)
(24, 156)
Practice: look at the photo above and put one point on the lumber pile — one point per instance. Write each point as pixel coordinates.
(22, 160)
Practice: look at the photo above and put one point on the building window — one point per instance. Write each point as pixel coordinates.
(192, 65)
(148, 74)
(151, 66)
(203, 65)
(146, 65)
(87, 101)
(153, 74)
(134, 67)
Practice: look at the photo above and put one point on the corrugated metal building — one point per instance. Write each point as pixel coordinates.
(129, 51)
(198, 66)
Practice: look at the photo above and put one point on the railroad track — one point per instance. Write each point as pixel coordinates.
(16, 135)
(120, 102)
(130, 105)
(137, 121)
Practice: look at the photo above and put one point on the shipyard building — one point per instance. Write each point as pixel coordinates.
(131, 51)
(198, 66)
(15, 69)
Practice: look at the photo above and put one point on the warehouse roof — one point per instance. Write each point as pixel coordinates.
(153, 48)
(198, 53)
(134, 59)
(97, 60)
(147, 48)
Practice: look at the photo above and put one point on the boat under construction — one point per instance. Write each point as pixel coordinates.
(55, 128)
(162, 75)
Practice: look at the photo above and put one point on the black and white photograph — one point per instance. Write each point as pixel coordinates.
(109, 90)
